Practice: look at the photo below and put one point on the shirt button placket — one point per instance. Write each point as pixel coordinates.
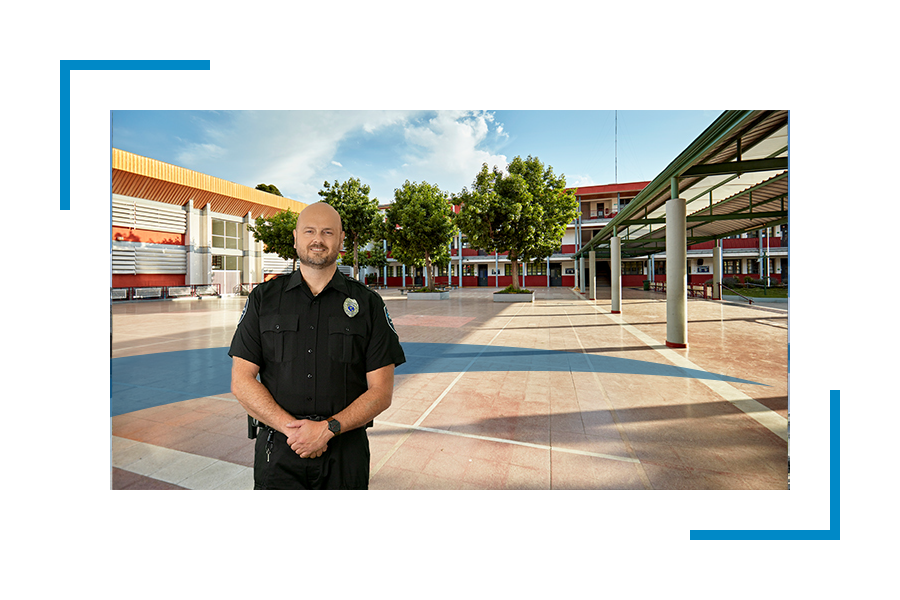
(313, 351)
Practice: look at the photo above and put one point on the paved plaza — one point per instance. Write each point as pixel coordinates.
(632, 414)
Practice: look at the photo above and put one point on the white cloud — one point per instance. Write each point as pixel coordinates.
(298, 150)
(580, 181)
(447, 150)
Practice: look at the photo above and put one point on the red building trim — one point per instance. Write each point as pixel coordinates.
(124, 234)
(149, 280)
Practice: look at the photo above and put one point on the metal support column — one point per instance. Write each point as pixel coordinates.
(676, 270)
(717, 271)
(592, 265)
(615, 260)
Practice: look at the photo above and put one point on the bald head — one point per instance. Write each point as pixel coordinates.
(318, 236)
(321, 214)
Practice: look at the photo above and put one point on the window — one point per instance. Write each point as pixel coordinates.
(731, 267)
(468, 270)
(659, 267)
(227, 263)
(539, 268)
(630, 267)
(226, 234)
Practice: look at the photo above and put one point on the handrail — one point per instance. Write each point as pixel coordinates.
(723, 286)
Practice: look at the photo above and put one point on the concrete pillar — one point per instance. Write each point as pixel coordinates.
(577, 274)
(676, 272)
(592, 265)
(251, 270)
(717, 271)
(615, 263)
(205, 247)
(194, 271)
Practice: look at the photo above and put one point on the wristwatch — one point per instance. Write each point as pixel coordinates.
(334, 426)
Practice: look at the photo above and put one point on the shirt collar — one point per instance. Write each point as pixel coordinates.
(338, 282)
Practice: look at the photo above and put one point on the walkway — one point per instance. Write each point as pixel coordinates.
(519, 423)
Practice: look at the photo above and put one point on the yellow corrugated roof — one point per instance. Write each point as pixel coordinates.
(142, 177)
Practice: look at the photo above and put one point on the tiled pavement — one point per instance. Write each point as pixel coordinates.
(524, 429)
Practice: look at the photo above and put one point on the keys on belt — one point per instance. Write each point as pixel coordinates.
(254, 425)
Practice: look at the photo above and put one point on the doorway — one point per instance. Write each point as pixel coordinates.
(482, 275)
(555, 275)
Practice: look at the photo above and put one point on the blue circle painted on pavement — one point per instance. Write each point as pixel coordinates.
(148, 380)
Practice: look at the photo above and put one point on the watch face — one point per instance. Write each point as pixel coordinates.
(334, 426)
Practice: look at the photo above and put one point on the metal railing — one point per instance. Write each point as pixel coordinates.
(163, 292)
(722, 287)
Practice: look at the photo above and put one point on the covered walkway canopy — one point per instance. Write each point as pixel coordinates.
(733, 178)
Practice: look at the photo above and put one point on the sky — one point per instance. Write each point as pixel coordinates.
(299, 150)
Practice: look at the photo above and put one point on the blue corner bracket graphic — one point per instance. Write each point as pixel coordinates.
(65, 123)
(834, 530)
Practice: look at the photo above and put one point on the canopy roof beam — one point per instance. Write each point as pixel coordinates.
(738, 167)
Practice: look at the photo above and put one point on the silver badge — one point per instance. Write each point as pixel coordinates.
(351, 307)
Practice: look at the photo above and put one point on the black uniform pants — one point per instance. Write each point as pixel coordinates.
(343, 466)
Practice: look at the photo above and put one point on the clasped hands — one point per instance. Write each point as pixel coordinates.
(309, 439)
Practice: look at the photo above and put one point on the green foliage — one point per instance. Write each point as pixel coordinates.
(419, 226)
(512, 289)
(523, 212)
(376, 257)
(277, 234)
(268, 187)
(360, 216)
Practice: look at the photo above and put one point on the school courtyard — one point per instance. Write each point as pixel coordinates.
(556, 394)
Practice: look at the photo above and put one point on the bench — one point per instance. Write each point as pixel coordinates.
(180, 291)
(148, 292)
(209, 290)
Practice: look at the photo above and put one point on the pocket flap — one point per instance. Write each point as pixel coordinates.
(346, 326)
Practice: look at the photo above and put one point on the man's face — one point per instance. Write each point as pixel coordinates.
(318, 237)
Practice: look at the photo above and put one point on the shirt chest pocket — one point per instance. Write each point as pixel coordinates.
(279, 336)
(346, 339)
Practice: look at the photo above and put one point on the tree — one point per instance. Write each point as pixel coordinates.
(376, 257)
(268, 187)
(277, 234)
(420, 226)
(523, 212)
(360, 216)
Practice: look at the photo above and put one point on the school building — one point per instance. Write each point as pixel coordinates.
(176, 232)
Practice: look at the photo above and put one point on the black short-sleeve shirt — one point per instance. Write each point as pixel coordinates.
(314, 351)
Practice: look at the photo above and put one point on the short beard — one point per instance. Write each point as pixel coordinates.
(321, 262)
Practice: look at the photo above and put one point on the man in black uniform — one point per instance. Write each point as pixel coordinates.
(324, 349)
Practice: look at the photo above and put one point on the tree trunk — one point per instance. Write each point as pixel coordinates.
(428, 273)
(355, 260)
(515, 271)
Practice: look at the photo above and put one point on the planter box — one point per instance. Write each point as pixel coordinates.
(428, 295)
(513, 297)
